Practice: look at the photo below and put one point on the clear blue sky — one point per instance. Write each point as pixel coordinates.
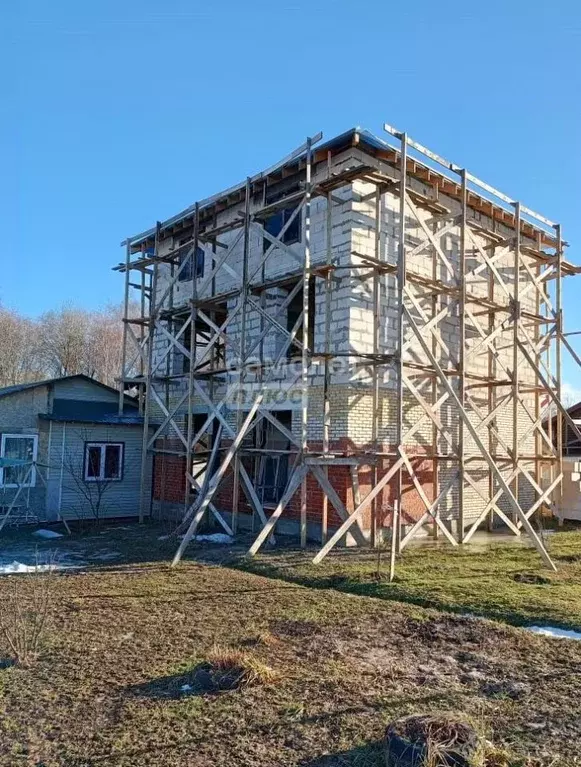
(115, 114)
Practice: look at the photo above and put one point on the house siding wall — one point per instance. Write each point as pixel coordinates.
(120, 498)
(80, 389)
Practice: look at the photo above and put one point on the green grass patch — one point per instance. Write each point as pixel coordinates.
(503, 581)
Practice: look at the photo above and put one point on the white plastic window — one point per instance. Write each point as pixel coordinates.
(103, 461)
(19, 447)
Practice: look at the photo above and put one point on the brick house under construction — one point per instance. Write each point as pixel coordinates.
(362, 338)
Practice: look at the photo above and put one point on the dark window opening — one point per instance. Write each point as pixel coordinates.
(181, 363)
(275, 223)
(571, 443)
(23, 448)
(294, 311)
(187, 260)
(112, 462)
(93, 462)
(273, 468)
(215, 357)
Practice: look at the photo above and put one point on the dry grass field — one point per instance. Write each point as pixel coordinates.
(208, 664)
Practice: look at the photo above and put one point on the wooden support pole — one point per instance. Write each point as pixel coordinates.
(401, 277)
(492, 398)
(142, 299)
(558, 357)
(192, 361)
(462, 359)
(125, 325)
(537, 393)
(327, 361)
(354, 517)
(243, 297)
(144, 501)
(216, 479)
(375, 401)
(295, 480)
(306, 351)
(515, 353)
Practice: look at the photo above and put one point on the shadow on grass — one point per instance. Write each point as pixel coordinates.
(198, 681)
(367, 755)
(225, 669)
(367, 585)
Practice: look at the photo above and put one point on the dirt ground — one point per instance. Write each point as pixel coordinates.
(125, 639)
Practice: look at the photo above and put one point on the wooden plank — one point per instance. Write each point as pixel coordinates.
(293, 485)
(338, 534)
(215, 481)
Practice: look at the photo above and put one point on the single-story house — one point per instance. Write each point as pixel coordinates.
(65, 452)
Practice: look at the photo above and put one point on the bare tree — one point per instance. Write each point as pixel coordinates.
(104, 343)
(63, 340)
(90, 492)
(19, 360)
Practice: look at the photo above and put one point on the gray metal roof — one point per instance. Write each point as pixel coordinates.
(366, 139)
(293, 157)
(51, 381)
(82, 410)
(73, 409)
(111, 419)
(24, 386)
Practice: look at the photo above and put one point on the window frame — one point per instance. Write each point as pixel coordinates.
(287, 238)
(293, 311)
(32, 479)
(195, 267)
(103, 447)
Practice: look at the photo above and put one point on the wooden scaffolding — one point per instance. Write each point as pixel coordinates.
(486, 302)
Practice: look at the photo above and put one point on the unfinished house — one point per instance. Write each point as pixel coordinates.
(358, 341)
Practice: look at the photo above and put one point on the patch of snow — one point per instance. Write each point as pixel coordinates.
(18, 567)
(47, 534)
(215, 538)
(555, 633)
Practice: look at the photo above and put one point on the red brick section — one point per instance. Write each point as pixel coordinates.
(169, 476)
(169, 473)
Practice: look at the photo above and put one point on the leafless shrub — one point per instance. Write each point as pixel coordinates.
(90, 498)
(26, 613)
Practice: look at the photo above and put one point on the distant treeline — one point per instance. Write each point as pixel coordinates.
(63, 342)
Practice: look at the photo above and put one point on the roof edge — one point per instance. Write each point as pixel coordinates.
(16, 388)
